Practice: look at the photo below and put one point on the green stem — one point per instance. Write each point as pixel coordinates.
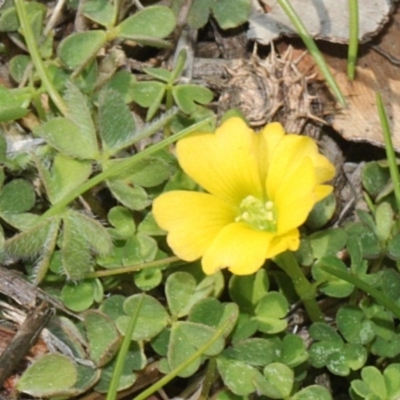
(312, 48)
(176, 371)
(169, 102)
(303, 287)
(353, 39)
(116, 169)
(365, 287)
(36, 58)
(209, 379)
(390, 154)
(123, 351)
(132, 268)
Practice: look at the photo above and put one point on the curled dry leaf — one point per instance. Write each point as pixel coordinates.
(325, 19)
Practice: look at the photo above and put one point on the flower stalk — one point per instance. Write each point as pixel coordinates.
(305, 290)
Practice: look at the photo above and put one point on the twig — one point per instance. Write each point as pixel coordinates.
(24, 339)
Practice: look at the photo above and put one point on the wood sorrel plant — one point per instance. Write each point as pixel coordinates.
(109, 261)
(261, 188)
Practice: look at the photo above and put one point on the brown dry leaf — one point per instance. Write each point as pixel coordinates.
(374, 73)
(325, 19)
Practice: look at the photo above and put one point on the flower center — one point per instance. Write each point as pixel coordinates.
(261, 215)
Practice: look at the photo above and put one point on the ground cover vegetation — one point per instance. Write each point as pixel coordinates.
(183, 243)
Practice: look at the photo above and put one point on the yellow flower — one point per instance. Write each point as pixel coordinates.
(260, 189)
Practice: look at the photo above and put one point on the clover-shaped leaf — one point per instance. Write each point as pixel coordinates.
(79, 296)
(186, 96)
(227, 13)
(327, 242)
(153, 22)
(152, 317)
(245, 328)
(102, 335)
(247, 291)
(353, 325)
(270, 313)
(293, 351)
(87, 377)
(375, 177)
(48, 376)
(113, 306)
(150, 227)
(135, 360)
(149, 278)
(366, 236)
(312, 392)
(12, 105)
(179, 288)
(255, 351)
(18, 66)
(139, 248)
(100, 11)
(329, 284)
(149, 95)
(389, 348)
(159, 73)
(238, 376)
(78, 48)
(209, 311)
(9, 20)
(382, 319)
(133, 197)
(375, 385)
(122, 220)
(279, 381)
(188, 337)
(391, 375)
(183, 292)
(330, 351)
(322, 212)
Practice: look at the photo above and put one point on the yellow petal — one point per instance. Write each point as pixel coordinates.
(237, 247)
(289, 154)
(288, 241)
(225, 163)
(295, 197)
(192, 220)
(324, 169)
(268, 139)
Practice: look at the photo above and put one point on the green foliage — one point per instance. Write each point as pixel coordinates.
(103, 337)
(375, 385)
(14, 104)
(150, 94)
(332, 352)
(97, 255)
(50, 375)
(228, 15)
(151, 321)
